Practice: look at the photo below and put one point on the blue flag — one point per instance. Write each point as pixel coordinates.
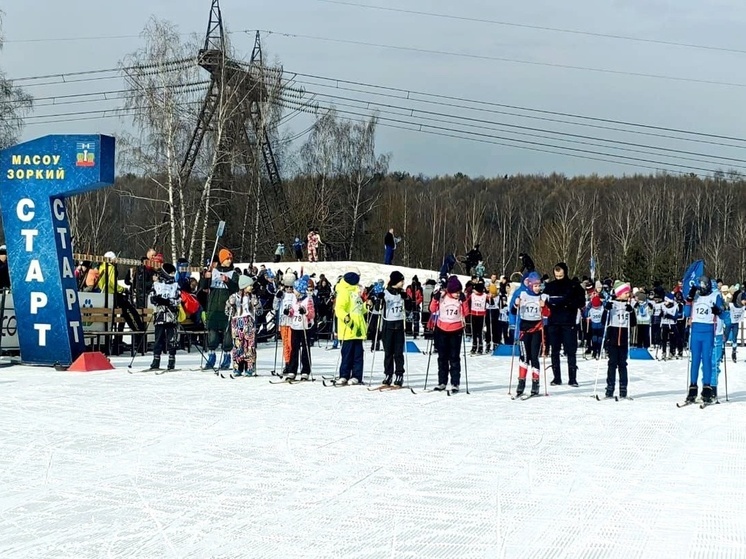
(691, 277)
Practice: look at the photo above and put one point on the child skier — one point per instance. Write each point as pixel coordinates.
(350, 313)
(392, 330)
(722, 324)
(669, 328)
(705, 306)
(165, 296)
(736, 317)
(529, 305)
(478, 306)
(619, 316)
(301, 314)
(284, 298)
(242, 309)
(595, 326)
(452, 309)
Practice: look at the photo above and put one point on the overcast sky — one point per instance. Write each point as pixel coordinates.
(700, 107)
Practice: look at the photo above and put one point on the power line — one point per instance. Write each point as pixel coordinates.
(530, 131)
(500, 140)
(165, 66)
(538, 27)
(98, 37)
(409, 92)
(504, 59)
(410, 97)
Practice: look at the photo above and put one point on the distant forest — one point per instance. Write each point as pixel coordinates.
(639, 228)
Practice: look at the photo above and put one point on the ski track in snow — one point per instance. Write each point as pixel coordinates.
(189, 465)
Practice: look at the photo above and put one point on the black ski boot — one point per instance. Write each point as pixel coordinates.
(622, 392)
(609, 391)
(715, 394)
(707, 394)
(171, 362)
(521, 386)
(734, 356)
(399, 380)
(156, 364)
(535, 388)
(692, 395)
(387, 380)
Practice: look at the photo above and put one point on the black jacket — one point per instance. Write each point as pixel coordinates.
(566, 297)
(389, 240)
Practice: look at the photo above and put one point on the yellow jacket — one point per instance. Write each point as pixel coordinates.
(102, 278)
(350, 312)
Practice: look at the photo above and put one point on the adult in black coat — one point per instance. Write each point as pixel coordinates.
(565, 298)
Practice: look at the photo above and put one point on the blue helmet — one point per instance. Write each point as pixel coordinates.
(705, 285)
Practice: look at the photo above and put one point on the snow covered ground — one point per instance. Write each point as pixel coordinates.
(187, 464)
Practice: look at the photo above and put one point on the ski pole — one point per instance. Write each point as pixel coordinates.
(430, 352)
(307, 349)
(466, 366)
(603, 343)
(406, 358)
(375, 343)
(544, 357)
(277, 340)
(516, 338)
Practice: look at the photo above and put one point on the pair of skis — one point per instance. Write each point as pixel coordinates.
(702, 405)
(615, 398)
(390, 388)
(524, 397)
(156, 370)
(291, 381)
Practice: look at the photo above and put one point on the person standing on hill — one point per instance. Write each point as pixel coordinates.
(389, 243)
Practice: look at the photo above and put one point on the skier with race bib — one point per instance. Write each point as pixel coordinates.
(529, 305)
(392, 330)
(705, 306)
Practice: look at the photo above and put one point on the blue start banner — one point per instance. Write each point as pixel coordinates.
(36, 178)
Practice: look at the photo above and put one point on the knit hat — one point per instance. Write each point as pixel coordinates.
(479, 287)
(245, 282)
(182, 263)
(224, 255)
(595, 301)
(110, 255)
(454, 285)
(301, 284)
(621, 288)
(533, 279)
(169, 268)
(158, 258)
(288, 279)
(395, 277)
(670, 297)
(351, 278)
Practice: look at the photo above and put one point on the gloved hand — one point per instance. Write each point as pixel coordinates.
(302, 310)
(462, 298)
(347, 319)
(286, 311)
(608, 305)
(692, 292)
(716, 310)
(279, 294)
(629, 308)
